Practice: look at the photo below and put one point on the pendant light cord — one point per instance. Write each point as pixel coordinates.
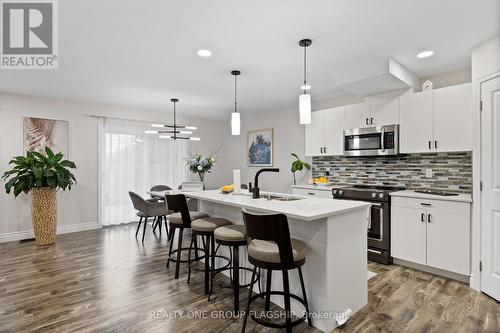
(235, 93)
(175, 125)
(305, 67)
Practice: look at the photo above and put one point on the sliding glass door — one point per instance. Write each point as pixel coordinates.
(133, 161)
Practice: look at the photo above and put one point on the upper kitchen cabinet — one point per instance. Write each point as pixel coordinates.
(379, 111)
(357, 115)
(453, 118)
(416, 129)
(325, 135)
(384, 111)
(438, 120)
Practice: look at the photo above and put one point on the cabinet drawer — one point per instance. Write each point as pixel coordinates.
(451, 206)
(313, 193)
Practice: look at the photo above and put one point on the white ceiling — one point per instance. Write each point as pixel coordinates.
(141, 53)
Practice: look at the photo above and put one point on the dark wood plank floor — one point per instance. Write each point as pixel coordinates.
(104, 281)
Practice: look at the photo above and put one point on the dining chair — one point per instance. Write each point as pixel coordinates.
(148, 210)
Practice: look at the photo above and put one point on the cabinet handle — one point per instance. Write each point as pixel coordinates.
(429, 218)
(422, 217)
(324, 150)
(311, 193)
(425, 204)
(436, 144)
(366, 121)
(321, 150)
(371, 121)
(430, 145)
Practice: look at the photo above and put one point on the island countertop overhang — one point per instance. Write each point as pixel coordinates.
(308, 209)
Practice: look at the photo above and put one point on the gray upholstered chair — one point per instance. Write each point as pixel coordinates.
(147, 210)
(158, 188)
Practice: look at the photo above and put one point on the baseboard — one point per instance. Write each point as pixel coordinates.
(432, 270)
(64, 229)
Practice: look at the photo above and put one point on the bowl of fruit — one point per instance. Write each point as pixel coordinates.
(322, 181)
(227, 189)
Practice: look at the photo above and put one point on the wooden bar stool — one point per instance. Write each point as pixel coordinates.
(270, 247)
(232, 236)
(181, 219)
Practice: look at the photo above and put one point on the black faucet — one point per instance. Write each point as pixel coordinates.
(256, 190)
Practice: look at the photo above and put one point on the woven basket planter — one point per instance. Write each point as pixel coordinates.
(44, 215)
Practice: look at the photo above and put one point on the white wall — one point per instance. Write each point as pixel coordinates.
(288, 138)
(78, 209)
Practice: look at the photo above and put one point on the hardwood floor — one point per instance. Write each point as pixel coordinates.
(105, 280)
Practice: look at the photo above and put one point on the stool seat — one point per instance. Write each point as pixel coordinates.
(208, 224)
(176, 218)
(231, 233)
(267, 251)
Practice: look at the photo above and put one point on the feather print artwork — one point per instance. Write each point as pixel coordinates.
(39, 133)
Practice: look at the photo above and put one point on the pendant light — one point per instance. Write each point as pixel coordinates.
(305, 98)
(235, 116)
(175, 129)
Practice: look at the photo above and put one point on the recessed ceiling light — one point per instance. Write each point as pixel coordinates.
(425, 54)
(204, 53)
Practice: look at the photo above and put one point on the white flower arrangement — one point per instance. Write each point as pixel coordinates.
(200, 164)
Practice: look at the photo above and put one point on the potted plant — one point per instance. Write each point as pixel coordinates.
(298, 165)
(41, 175)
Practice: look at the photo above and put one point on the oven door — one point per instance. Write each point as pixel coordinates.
(370, 141)
(378, 226)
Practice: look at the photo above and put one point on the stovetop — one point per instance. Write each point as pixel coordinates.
(365, 192)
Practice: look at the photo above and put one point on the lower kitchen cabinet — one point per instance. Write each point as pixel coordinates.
(310, 191)
(435, 233)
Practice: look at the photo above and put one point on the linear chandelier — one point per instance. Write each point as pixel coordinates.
(173, 130)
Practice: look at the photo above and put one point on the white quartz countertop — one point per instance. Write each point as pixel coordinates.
(412, 194)
(305, 209)
(315, 187)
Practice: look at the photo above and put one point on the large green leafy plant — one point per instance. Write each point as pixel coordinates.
(298, 165)
(36, 170)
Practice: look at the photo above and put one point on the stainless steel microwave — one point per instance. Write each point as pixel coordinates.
(372, 141)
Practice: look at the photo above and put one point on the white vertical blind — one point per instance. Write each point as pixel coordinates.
(134, 161)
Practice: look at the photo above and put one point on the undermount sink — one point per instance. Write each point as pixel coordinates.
(280, 198)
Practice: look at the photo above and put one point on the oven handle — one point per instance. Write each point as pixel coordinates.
(374, 251)
(381, 215)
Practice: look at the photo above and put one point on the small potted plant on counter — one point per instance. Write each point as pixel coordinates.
(298, 165)
(42, 175)
(200, 165)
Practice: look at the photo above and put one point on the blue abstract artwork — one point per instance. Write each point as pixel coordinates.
(260, 147)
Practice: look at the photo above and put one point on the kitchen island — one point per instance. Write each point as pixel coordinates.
(335, 271)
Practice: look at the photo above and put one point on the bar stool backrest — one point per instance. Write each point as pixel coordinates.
(273, 228)
(178, 204)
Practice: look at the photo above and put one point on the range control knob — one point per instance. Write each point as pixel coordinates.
(381, 195)
(341, 192)
(334, 191)
(374, 195)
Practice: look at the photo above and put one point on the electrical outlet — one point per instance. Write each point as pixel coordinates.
(428, 173)
(327, 171)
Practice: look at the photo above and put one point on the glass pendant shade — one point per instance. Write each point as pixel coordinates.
(305, 109)
(235, 123)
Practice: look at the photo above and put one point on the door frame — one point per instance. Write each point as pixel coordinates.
(476, 227)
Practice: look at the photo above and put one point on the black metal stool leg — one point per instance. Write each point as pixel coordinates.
(245, 318)
(236, 279)
(193, 238)
(267, 305)
(144, 229)
(179, 250)
(286, 290)
(159, 221)
(207, 266)
(304, 296)
(138, 227)
(154, 224)
(166, 227)
(170, 248)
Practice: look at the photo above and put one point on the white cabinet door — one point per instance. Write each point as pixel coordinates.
(357, 115)
(448, 225)
(314, 134)
(384, 111)
(334, 121)
(313, 193)
(453, 118)
(416, 122)
(408, 234)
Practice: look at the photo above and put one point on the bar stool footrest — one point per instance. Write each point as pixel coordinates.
(184, 260)
(272, 324)
(230, 286)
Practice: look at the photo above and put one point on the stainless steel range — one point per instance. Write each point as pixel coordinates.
(379, 225)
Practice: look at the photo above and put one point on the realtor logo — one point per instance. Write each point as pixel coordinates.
(29, 34)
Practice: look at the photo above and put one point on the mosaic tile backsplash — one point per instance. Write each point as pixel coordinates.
(451, 171)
